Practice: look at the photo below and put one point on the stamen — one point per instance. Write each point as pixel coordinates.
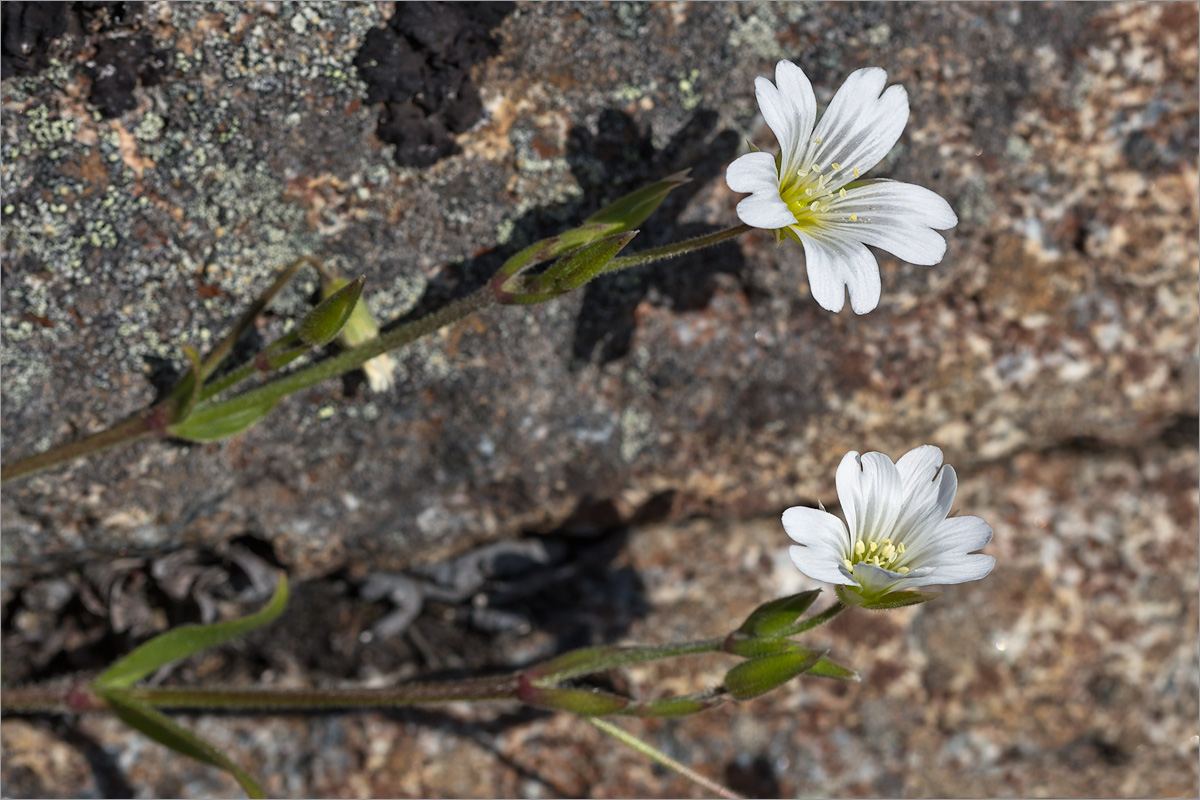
(859, 548)
(842, 193)
(817, 140)
(854, 217)
(855, 171)
(815, 205)
(903, 570)
(900, 548)
(836, 166)
(849, 564)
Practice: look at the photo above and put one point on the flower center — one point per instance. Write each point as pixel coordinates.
(809, 196)
(884, 555)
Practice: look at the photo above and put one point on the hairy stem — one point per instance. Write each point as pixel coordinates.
(675, 249)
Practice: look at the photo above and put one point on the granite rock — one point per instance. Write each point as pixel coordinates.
(1053, 355)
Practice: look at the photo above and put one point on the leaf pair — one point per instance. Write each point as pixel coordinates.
(583, 252)
(115, 683)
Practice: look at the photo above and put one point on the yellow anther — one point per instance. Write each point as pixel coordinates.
(903, 570)
(815, 205)
(888, 552)
(859, 548)
(854, 217)
(900, 548)
(808, 191)
(814, 168)
(874, 547)
(849, 564)
(836, 165)
(842, 193)
(817, 140)
(855, 171)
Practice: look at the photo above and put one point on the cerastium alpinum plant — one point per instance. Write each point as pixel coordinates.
(896, 536)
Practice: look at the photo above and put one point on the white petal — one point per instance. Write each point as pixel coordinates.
(753, 172)
(765, 210)
(897, 217)
(869, 490)
(817, 568)
(918, 466)
(836, 262)
(818, 530)
(925, 508)
(965, 568)
(790, 110)
(951, 540)
(797, 94)
(860, 126)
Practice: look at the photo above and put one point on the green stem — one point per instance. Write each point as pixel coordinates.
(226, 698)
(78, 699)
(812, 622)
(148, 422)
(356, 357)
(645, 748)
(592, 660)
(675, 249)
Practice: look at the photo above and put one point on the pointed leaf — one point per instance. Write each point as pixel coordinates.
(323, 323)
(770, 618)
(761, 675)
(831, 669)
(162, 729)
(634, 208)
(215, 422)
(185, 640)
(753, 647)
(676, 706)
(581, 265)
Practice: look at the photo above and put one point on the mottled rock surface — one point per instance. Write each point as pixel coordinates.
(161, 161)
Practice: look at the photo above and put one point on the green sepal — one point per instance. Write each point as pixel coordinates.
(682, 706)
(770, 618)
(585, 702)
(581, 265)
(831, 669)
(158, 726)
(216, 422)
(321, 325)
(634, 208)
(186, 640)
(761, 675)
(753, 647)
(890, 600)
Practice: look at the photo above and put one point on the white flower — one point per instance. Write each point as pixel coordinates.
(899, 537)
(811, 191)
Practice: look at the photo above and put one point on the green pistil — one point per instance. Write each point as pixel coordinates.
(809, 197)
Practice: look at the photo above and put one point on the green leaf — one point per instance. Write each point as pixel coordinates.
(581, 265)
(761, 675)
(753, 647)
(159, 727)
(212, 423)
(185, 640)
(585, 702)
(323, 323)
(831, 669)
(634, 208)
(770, 618)
(675, 706)
(890, 600)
